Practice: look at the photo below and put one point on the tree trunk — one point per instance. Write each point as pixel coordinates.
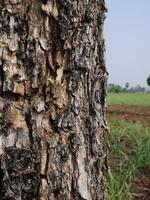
(53, 134)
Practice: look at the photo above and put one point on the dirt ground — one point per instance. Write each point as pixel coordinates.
(141, 184)
(130, 113)
(141, 180)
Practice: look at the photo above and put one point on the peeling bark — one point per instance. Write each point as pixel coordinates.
(53, 134)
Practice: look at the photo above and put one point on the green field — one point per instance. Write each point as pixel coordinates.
(129, 151)
(140, 99)
(129, 141)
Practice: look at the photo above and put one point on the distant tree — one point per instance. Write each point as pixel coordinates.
(118, 89)
(114, 88)
(127, 85)
(131, 89)
(148, 81)
(124, 89)
(138, 88)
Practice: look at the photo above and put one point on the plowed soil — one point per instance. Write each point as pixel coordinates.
(141, 184)
(130, 113)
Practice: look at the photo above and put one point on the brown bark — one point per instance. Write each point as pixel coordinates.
(53, 134)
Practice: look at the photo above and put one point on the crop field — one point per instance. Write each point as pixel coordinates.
(137, 99)
(129, 147)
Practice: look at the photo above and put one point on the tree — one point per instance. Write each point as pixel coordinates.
(53, 134)
(127, 85)
(148, 81)
(114, 88)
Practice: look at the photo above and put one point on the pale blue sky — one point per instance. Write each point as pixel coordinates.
(127, 35)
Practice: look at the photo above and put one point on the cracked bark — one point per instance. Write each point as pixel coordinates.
(53, 134)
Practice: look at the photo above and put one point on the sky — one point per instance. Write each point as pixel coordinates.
(127, 37)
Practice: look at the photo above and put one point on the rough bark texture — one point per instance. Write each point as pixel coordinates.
(53, 134)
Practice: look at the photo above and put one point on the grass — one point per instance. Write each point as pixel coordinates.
(140, 99)
(129, 151)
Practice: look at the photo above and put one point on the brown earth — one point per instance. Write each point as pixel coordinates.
(130, 113)
(141, 180)
(141, 184)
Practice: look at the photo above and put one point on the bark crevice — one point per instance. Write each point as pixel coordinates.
(2, 188)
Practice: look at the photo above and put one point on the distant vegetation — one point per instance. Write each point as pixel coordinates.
(148, 81)
(127, 88)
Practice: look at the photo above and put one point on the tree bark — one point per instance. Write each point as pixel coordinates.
(53, 133)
